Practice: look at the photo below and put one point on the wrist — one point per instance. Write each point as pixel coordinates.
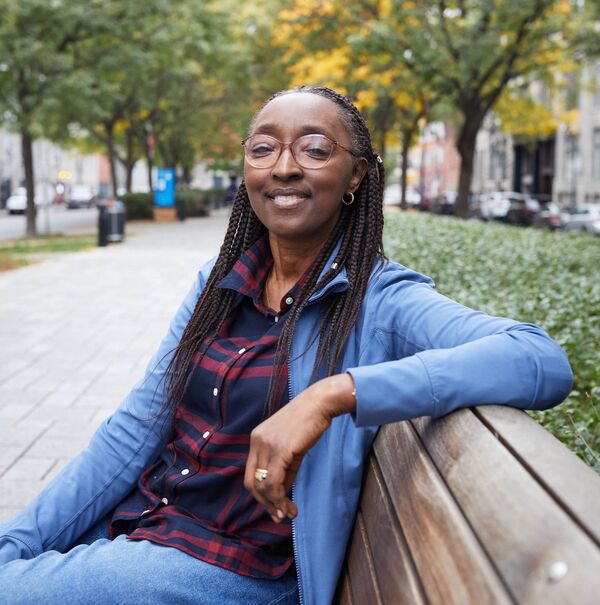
(338, 395)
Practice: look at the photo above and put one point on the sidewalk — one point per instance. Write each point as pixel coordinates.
(76, 332)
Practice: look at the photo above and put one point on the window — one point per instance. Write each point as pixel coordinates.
(596, 154)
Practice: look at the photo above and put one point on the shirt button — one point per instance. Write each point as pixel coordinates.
(289, 300)
(215, 391)
(185, 471)
(165, 501)
(205, 434)
(276, 318)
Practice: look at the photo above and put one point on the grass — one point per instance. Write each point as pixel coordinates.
(548, 278)
(19, 252)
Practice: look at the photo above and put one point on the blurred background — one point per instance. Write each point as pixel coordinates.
(487, 110)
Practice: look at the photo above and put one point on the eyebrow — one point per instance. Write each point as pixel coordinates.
(305, 129)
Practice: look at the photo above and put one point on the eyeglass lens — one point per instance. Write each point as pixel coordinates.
(310, 151)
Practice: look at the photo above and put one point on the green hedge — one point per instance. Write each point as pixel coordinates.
(138, 206)
(548, 278)
(193, 202)
(198, 202)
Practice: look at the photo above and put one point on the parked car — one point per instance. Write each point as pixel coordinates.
(443, 203)
(393, 196)
(583, 219)
(509, 206)
(81, 196)
(17, 202)
(549, 217)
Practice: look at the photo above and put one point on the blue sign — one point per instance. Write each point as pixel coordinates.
(164, 190)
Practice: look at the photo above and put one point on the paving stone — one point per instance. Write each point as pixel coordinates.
(58, 446)
(9, 454)
(19, 492)
(26, 466)
(7, 512)
(66, 366)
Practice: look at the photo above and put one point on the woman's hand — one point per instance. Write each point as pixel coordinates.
(279, 443)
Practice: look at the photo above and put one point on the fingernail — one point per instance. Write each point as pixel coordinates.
(280, 514)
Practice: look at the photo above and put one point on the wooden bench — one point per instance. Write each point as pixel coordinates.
(482, 506)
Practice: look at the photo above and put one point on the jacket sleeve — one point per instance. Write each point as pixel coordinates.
(103, 474)
(447, 356)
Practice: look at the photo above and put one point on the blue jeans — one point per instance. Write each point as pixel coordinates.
(120, 571)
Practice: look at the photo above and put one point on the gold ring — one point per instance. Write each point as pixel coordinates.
(260, 474)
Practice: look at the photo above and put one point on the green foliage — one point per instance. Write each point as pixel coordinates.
(138, 206)
(198, 202)
(548, 278)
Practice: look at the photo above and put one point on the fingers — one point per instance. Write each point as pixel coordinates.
(271, 491)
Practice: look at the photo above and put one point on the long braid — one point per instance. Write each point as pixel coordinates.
(360, 229)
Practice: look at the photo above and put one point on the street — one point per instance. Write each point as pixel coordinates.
(50, 219)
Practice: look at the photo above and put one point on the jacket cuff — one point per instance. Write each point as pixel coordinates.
(392, 391)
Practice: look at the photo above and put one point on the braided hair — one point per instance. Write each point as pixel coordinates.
(359, 228)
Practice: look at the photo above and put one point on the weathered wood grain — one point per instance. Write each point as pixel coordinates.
(453, 567)
(397, 577)
(522, 528)
(573, 484)
(363, 579)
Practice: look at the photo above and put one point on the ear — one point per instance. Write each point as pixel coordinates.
(358, 172)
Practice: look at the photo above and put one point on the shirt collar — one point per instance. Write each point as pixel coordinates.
(248, 275)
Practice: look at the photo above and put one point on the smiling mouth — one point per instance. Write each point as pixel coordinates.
(287, 197)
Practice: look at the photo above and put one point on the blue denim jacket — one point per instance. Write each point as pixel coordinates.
(412, 352)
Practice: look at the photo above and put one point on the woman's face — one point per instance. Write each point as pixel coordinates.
(298, 203)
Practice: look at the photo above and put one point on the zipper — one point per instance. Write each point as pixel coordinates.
(294, 530)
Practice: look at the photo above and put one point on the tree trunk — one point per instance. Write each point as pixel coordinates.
(130, 160)
(149, 144)
(407, 135)
(110, 145)
(381, 138)
(27, 153)
(466, 149)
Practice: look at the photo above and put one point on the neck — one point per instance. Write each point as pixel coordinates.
(291, 259)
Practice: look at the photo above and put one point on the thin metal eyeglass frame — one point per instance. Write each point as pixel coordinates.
(289, 144)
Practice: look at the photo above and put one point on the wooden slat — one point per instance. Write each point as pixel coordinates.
(573, 484)
(397, 578)
(453, 567)
(521, 527)
(344, 596)
(363, 580)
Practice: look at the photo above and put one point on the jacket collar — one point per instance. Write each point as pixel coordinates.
(338, 284)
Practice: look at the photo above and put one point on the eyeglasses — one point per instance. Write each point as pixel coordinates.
(310, 151)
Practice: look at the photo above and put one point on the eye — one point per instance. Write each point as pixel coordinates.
(260, 146)
(316, 147)
(261, 149)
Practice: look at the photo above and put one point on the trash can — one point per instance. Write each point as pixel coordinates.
(111, 222)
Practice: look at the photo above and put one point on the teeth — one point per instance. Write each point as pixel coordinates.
(287, 199)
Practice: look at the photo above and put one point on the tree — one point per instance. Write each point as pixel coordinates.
(35, 41)
(137, 87)
(328, 44)
(468, 51)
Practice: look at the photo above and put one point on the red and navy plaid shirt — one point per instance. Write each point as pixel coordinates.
(193, 498)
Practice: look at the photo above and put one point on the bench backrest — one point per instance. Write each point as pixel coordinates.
(482, 506)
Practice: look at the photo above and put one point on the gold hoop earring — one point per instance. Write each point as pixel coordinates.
(351, 199)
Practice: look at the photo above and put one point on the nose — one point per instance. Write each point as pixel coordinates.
(286, 167)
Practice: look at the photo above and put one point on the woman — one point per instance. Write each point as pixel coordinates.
(231, 473)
